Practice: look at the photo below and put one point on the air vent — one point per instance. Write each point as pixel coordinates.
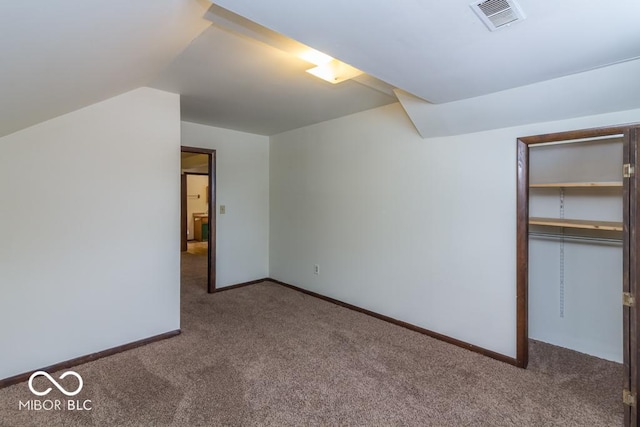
(497, 14)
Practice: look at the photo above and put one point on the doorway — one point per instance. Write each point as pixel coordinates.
(587, 191)
(197, 211)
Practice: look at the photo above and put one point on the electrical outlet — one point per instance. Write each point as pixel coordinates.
(223, 209)
(316, 269)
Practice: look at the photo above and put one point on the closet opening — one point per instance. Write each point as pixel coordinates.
(577, 253)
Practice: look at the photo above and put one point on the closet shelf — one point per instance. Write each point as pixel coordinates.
(578, 185)
(577, 223)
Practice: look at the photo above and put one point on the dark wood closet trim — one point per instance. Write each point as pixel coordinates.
(626, 314)
(441, 337)
(522, 256)
(522, 223)
(632, 249)
(576, 134)
(88, 358)
(211, 243)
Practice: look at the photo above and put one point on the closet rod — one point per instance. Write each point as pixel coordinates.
(572, 141)
(576, 238)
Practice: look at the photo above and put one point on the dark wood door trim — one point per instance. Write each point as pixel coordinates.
(522, 255)
(198, 150)
(212, 223)
(522, 224)
(183, 212)
(211, 262)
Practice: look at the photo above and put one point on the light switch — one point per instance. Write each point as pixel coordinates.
(223, 209)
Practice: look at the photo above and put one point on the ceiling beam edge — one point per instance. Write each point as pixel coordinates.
(599, 91)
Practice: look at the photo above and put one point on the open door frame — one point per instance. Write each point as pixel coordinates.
(211, 243)
(631, 249)
(183, 212)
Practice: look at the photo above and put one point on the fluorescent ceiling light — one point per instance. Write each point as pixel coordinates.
(328, 68)
(335, 71)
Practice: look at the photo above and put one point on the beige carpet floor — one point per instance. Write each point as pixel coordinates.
(197, 248)
(268, 355)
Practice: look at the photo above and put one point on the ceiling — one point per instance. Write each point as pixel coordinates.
(194, 162)
(59, 56)
(441, 52)
(229, 80)
(234, 69)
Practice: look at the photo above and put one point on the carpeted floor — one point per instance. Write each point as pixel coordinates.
(197, 248)
(268, 355)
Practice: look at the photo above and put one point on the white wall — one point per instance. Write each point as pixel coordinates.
(89, 254)
(242, 185)
(422, 230)
(196, 186)
(591, 322)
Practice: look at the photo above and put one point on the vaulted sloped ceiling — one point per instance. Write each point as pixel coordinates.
(440, 51)
(234, 81)
(58, 56)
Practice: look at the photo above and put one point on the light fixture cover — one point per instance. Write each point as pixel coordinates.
(335, 71)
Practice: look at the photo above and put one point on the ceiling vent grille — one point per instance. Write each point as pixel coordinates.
(497, 14)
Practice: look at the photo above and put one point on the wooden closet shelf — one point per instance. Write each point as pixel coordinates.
(577, 223)
(577, 184)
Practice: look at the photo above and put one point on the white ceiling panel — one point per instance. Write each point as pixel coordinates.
(440, 51)
(607, 89)
(236, 82)
(58, 56)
